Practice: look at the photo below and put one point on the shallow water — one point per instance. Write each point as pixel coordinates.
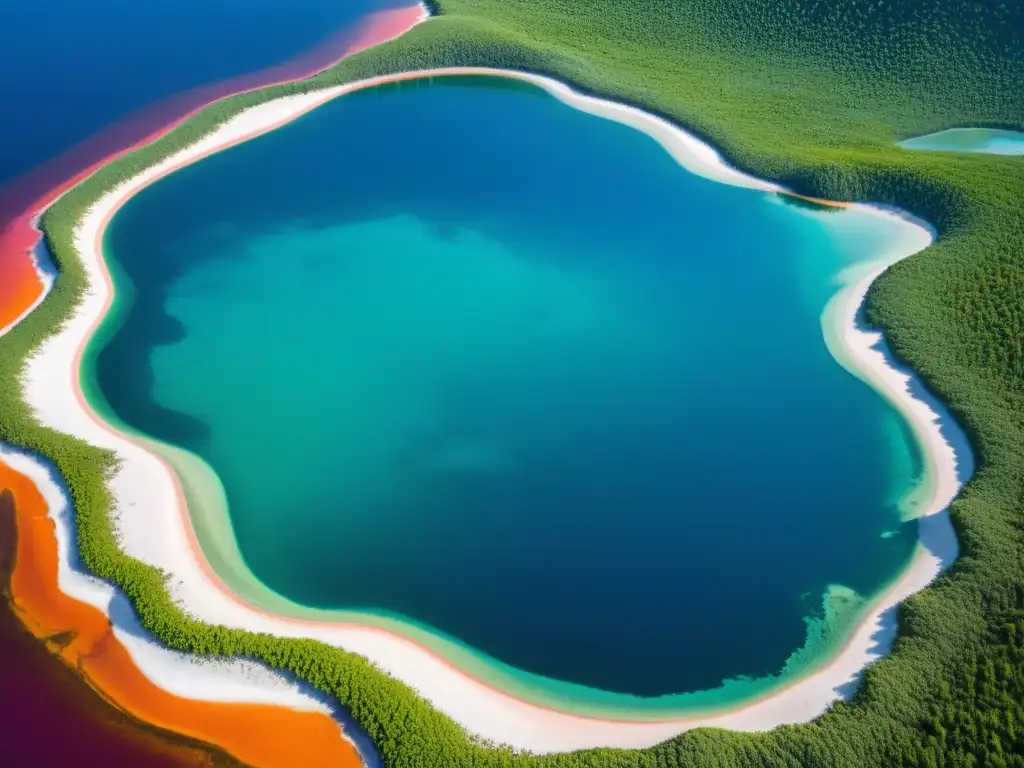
(463, 355)
(51, 715)
(987, 140)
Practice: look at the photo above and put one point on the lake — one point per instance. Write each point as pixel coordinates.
(467, 359)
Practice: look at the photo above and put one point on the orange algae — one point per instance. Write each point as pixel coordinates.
(20, 284)
(82, 637)
(53, 717)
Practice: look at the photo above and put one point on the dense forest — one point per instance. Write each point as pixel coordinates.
(809, 93)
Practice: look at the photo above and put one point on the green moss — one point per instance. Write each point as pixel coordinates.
(811, 94)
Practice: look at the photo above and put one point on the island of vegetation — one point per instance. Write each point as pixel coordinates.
(811, 97)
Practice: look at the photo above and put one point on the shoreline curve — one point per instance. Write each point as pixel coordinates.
(101, 652)
(483, 710)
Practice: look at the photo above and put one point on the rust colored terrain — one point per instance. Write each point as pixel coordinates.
(77, 696)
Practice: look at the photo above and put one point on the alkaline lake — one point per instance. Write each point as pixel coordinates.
(466, 357)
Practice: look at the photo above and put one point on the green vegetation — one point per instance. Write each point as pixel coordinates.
(809, 93)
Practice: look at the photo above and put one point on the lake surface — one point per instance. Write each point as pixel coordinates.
(465, 356)
(987, 140)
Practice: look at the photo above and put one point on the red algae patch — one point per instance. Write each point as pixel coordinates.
(81, 636)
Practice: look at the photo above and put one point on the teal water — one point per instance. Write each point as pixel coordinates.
(464, 356)
(987, 140)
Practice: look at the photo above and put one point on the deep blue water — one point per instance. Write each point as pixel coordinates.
(466, 355)
(69, 68)
(986, 140)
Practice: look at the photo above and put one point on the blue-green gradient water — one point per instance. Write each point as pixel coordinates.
(985, 140)
(465, 355)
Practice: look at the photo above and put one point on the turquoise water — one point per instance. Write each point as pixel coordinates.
(988, 140)
(464, 356)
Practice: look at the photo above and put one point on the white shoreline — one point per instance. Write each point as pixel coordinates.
(152, 529)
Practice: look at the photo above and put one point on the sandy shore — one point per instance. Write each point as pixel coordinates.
(154, 525)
